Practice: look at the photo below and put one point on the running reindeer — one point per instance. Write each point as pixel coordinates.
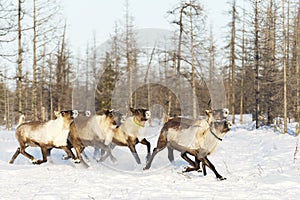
(96, 131)
(130, 132)
(50, 134)
(198, 138)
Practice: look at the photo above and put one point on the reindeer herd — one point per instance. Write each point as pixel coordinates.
(193, 138)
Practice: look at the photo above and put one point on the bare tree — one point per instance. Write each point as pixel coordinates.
(7, 28)
(284, 68)
(297, 60)
(243, 57)
(46, 28)
(20, 58)
(129, 51)
(233, 57)
(190, 51)
(256, 63)
(34, 66)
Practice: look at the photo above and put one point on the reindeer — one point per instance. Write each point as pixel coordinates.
(95, 131)
(53, 133)
(130, 132)
(198, 138)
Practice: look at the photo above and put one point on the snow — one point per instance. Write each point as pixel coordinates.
(258, 164)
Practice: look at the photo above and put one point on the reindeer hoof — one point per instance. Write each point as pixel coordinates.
(65, 157)
(76, 161)
(221, 178)
(101, 159)
(113, 159)
(148, 157)
(188, 169)
(185, 169)
(37, 162)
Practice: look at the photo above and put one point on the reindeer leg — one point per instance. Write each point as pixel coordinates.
(96, 153)
(204, 168)
(184, 151)
(49, 151)
(85, 155)
(69, 152)
(170, 154)
(161, 144)
(103, 157)
(195, 164)
(22, 151)
(78, 150)
(105, 152)
(155, 151)
(112, 158)
(145, 142)
(44, 153)
(69, 146)
(212, 167)
(102, 152)
(196, 160)
(15, 156)
(134, 153)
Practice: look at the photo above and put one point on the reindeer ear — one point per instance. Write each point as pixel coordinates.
(108, 112)
(105, 111)
(132, 110)
(56, 113)
(208, 112)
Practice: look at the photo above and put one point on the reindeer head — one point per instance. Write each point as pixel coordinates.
(71, 114)
(224, 126)
(114, 116)
(67, 116)
(218, 114)
(141, 114)
(220, 128)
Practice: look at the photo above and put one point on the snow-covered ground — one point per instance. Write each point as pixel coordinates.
(258, 164)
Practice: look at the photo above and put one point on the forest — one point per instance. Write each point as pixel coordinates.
(258, 62)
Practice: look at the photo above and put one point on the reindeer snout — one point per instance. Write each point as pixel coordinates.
(229, 124)
(147, 114)
(87, 113)
(225, 112)
(75, 113)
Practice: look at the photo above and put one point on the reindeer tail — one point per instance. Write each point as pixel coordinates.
(21, 120)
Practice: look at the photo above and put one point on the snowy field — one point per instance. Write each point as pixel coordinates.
(258, 164)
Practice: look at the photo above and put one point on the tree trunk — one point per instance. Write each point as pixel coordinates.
(193, 66)
(232, 61)
(50, 88)
(243, 71)
(284, 71)
(129, 52)
(87, 79)
(20, 53)
(34, 80)
(297, 41)
(179, 41)
(256, 65)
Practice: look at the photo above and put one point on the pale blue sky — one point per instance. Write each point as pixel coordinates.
(99, 16)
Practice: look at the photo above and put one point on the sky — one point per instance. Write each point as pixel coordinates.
(95, 17)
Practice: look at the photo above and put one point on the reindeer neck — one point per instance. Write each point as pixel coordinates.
(138, 123)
